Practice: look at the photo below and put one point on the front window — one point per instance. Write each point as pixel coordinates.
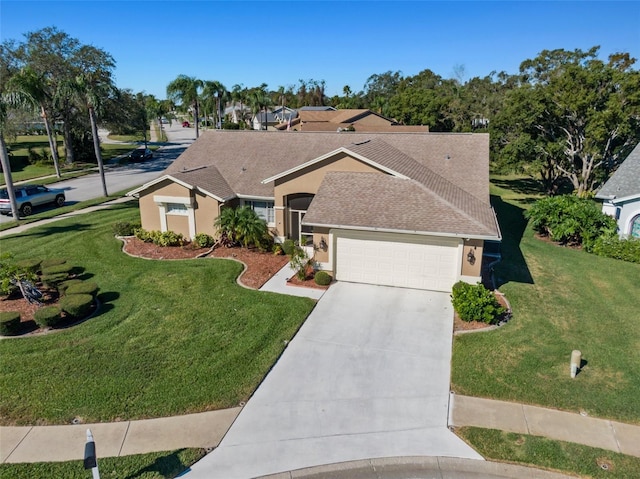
(176, 209)
(264, 210)
(635, 227)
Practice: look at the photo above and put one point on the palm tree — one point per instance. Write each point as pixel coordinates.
(38, 88)
(259, 99)
(91, 87)
(215, 93)
(239, 94)
(187, 90)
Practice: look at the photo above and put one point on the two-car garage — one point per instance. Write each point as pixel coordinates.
(402, 260)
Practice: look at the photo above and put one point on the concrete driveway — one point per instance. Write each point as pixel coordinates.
(366, 376)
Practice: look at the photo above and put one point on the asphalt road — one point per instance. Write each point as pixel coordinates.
(125, 177)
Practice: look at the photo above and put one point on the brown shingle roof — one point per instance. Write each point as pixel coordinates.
(451, 166)
(390, 203)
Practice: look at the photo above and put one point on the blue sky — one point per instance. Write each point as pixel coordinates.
(341, 42)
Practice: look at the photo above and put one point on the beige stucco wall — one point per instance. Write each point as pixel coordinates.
(472, 269)
(308, 181)
(321, 256)
(206, 211)
(149, 213)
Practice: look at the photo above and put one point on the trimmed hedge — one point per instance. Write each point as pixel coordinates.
(62, 287)
(57, 268)
(475, 303)
(53, 280)
(322, 278)
(76, 305)
(84, 287)
(48, 316)
(9, 323)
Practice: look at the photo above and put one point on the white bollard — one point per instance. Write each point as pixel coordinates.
(576, 359)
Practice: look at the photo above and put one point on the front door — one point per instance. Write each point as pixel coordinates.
(298, 232)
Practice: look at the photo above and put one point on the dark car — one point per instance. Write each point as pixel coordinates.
(29, 196)
(141, 154)
(185, 124)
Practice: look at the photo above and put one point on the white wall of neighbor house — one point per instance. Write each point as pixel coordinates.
(626, 214)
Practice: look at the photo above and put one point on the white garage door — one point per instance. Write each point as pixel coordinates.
(390, 260)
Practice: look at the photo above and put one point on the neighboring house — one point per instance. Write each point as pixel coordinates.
(398, 209)
(621, 195)
(360, 120)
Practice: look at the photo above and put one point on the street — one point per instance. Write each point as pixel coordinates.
(125, 177)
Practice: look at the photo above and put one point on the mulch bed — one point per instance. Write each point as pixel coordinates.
(460, 325)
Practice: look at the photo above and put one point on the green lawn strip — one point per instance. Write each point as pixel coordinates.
(562, 299)
(548, 454)
(155, 465)
(65, 209)
(172, 337)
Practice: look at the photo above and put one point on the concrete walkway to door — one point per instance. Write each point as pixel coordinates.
(366, 376)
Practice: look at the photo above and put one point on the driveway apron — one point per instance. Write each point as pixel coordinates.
(366, 376)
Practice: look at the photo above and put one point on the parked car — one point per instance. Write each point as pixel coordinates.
(186, 124)
(27, 197)
(141, 154)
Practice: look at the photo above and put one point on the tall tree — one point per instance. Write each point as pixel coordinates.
(581, 115)
(259, 100)
(215, 94)
(187, 91)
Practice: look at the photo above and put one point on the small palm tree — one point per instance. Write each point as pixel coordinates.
(242, 225)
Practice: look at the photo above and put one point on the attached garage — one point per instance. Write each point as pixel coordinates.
(409, 261)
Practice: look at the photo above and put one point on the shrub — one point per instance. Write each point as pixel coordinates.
(76, 305)
(53, 280)
(300, 262)
(322, 278)
(570, 220)
(62, 286)
(277, 249)
(30, 265)
(56, 269)
(611, 246)
(48, 316)
(203, 240)
(9, 323)
(230, 126)
(52, 262)
(144, 235)
(125, 228)
(169, 238)
(86, 287)
(475, 303)
(287, 246)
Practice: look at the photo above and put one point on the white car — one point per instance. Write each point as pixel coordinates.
(29, 196)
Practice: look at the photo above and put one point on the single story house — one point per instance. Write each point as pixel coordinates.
(621, 195)
(397, 209)
(360, 120)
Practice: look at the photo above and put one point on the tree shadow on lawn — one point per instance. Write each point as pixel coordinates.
(165, 466)
(513, 266)
(524, 186)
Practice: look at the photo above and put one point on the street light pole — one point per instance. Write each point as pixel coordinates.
(90, 460)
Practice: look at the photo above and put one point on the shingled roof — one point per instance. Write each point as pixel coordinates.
(625, 182)
(449, 172)
(389, 203)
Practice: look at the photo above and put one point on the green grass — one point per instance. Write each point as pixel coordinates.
(157, 465)
(562, 299)
(172, 337)
(548, 454)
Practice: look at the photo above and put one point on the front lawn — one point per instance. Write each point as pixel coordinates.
(562, 299)
(548, 454)
(172, 337)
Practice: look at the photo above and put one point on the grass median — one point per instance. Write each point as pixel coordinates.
(172, 337)
(562, 299)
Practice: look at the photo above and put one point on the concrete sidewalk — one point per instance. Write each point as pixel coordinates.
(550, 423)
(66, 443)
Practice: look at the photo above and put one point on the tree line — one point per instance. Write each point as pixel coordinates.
(567, 117)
